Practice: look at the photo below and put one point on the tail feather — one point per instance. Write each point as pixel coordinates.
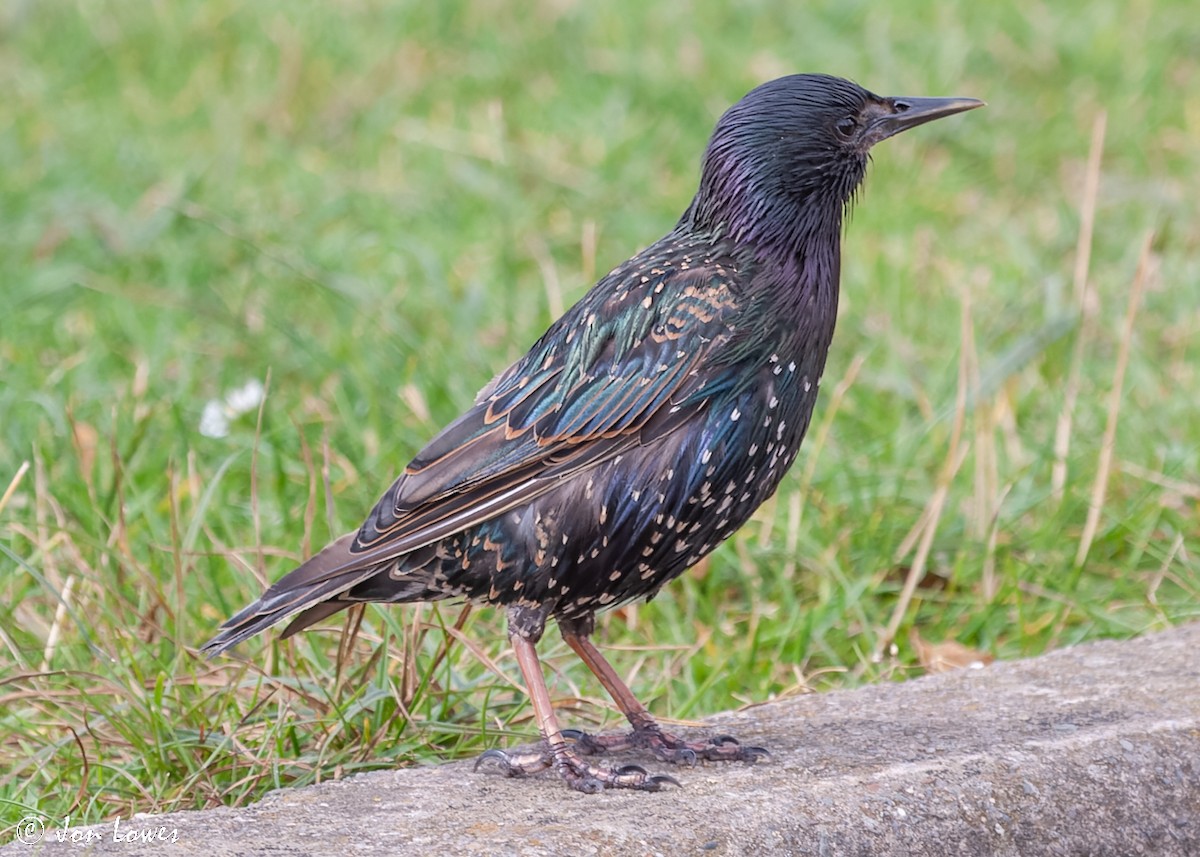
(315, 614)
(312, 587)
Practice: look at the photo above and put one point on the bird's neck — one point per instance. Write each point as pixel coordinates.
(803, 274)
(798, 265)
(780, 225)
(795, 245)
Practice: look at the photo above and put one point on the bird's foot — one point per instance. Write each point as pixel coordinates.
(667, 747)
(575, 772)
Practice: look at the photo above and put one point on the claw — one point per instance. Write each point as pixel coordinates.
(597, 745)
(685, 756)
(718, 740)
(492, 755)
(587, 785)
(512, 765)
(753, 754)
(636, 777)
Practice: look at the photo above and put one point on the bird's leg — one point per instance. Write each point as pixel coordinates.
(646, 732)
(557, 752)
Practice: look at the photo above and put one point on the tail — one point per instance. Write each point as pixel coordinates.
(313, 588)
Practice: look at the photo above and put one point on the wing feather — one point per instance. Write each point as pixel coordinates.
(602, 380)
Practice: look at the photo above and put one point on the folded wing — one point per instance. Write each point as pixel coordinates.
(602, 380)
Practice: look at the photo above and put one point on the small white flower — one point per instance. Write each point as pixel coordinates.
(246, 398)
(214, 422)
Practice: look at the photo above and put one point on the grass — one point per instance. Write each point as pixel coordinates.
(371, 207)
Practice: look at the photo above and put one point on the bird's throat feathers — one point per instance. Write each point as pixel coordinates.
(790, 219)
(788, 210)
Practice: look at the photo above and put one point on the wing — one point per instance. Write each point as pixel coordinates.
(622, 368)
(635, 359)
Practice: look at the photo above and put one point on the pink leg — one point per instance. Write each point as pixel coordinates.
(557, 752)
(646, 733)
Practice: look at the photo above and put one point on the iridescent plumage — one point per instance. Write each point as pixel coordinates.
(643, 428)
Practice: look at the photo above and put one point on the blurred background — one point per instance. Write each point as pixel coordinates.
(253, 255)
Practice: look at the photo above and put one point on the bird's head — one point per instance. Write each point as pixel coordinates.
(791, 153)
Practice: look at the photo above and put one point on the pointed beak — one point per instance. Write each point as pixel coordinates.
(910, 112)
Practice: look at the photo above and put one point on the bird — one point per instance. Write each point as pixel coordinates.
(639, 432)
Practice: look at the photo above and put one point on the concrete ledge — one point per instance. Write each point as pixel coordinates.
(1087, 751)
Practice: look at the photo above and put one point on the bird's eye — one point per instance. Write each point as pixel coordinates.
(846, 127)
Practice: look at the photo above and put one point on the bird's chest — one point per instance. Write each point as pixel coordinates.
(675, 502)
(757, 437)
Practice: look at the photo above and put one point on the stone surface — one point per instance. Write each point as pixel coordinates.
(1087, 751)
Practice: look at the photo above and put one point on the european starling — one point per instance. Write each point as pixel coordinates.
(643, 428)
